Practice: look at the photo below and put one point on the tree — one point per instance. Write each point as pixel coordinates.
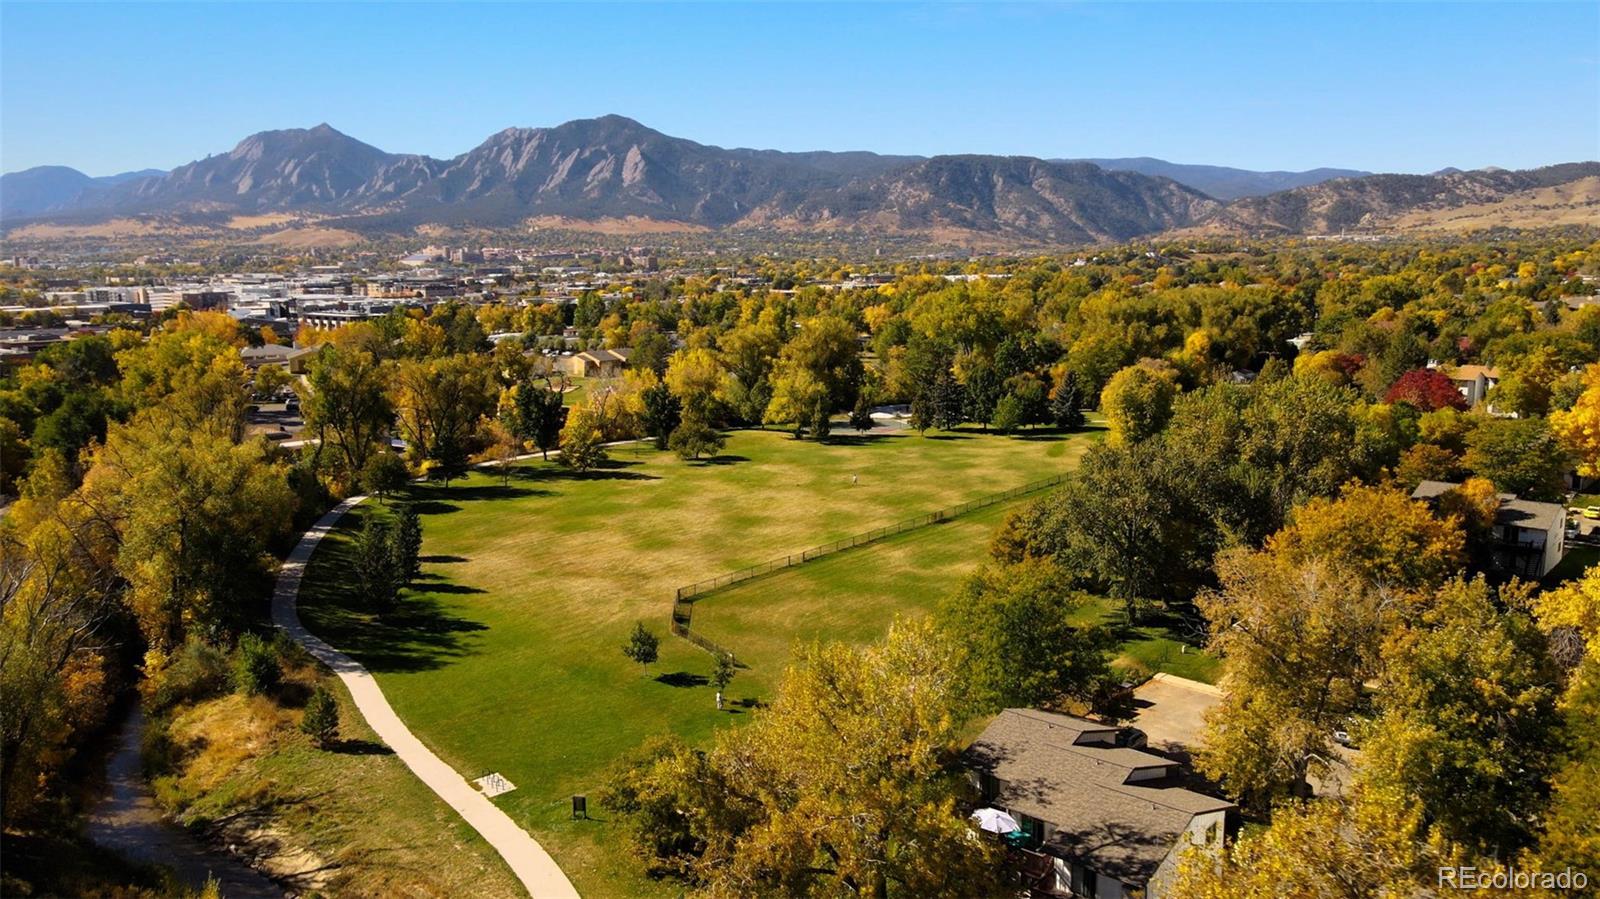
(1351, 847)
(193, 514)
(407, 543)
(378, 576)
(642, 646)
(797, 394)
(861, 415)
(662, 412)
(1578, 428)
(845, 785)
(582, 443)
(945, 402)
(722, 671)
(539, 415)
(1389, 538)
(1021, 644)
(1137, 401)
(255, 666)
(1426, 390)
(1298, 640)
(1066, 406)
(440, 401)
(321, 718)
(1519, 455)
(384, 474)
(346, 403)
(694, 438)
(1468, 728)
(1008, 414)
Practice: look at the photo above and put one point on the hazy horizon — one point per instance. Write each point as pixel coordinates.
(1284, 87)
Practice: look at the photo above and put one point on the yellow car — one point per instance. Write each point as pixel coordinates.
(1591, 512)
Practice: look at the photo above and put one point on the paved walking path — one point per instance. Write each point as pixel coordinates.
(533, 866)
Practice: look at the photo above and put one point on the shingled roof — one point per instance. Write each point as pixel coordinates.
(1120, 811)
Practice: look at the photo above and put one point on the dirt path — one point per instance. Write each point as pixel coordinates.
(533, 866)
(127, 822)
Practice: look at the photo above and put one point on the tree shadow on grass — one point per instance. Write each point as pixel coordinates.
(682, 679)
(724, 459)
(451, 589)
(360, 747)
(419, 635)
(433, 507)
(853, 439)
(471, 493)
(948, 436)
(442, 560)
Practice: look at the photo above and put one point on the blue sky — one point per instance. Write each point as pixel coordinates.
(1381, 86)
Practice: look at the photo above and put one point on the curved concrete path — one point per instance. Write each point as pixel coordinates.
(533, 866)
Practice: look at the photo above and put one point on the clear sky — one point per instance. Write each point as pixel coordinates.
(1408, 87)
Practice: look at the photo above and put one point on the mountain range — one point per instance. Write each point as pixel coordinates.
(615, 171)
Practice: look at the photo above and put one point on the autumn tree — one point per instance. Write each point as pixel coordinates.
(346, 404)
(1022, 645)
(1137, 401)
(582, 442)
(1391, 539)
(440, 402)
(1425, 389)
(844, 786)
(1298, 640)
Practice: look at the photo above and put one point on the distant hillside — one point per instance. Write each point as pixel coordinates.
(1222, 182)
(1393, 202)
(614, 174)
(53, 188)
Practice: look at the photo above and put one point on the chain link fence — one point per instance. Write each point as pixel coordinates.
(683, 602)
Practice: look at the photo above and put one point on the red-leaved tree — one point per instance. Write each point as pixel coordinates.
(1427, 390)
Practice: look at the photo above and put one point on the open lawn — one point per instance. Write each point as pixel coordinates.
(507, 657)
(851, 594)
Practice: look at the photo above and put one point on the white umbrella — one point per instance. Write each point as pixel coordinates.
(996, 821)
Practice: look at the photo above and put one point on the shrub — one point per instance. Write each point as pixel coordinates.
(197, 671)
(321, 720)
(255, 666)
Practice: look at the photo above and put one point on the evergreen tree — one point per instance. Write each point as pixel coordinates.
(861, 415)
(1066, 407)
(321, 720)
(378, 578)
(407, 545)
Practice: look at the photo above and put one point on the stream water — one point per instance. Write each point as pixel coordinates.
(127, 821)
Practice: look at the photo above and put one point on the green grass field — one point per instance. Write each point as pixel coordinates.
(507, 657)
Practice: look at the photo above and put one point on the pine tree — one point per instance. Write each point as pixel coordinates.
(861, 415)
(321, 718)
(1066, 407)
(378, 577)
(407, 545)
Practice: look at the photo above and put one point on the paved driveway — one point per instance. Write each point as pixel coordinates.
(1171, 711)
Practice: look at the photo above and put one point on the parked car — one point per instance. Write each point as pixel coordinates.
(1591, 512)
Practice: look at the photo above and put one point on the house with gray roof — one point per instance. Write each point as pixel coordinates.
(1108, 821)
(1528, 538)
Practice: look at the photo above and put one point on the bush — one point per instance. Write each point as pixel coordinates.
(255, 666)
(384, 474)
(321, 719)
(197, 671)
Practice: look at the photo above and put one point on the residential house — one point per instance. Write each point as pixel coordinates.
(595, 363)
(1474, 381)
(1528, 538)
(1104, 820)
